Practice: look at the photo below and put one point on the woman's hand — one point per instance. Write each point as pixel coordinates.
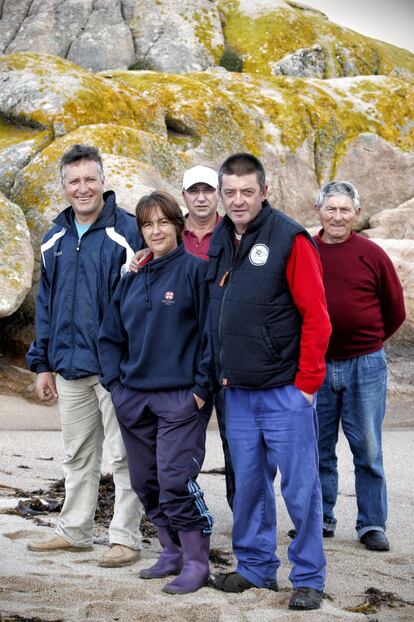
(137, 258)
(200, 403)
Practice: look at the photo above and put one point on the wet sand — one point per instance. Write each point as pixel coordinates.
(72, 588)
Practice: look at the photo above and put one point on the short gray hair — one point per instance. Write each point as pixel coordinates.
(338, 187)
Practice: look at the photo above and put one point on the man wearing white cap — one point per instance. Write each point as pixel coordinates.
(201, 198)
(200, 194)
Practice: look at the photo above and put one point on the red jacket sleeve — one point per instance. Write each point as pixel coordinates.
(304, 276)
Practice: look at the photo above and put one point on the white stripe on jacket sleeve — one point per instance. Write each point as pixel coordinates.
(122, 241)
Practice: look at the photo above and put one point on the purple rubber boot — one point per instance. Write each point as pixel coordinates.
(169, 562)
(195, 572)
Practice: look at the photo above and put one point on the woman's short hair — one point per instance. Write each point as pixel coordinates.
(168, 206)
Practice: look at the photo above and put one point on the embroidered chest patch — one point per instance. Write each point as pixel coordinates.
(258, 254)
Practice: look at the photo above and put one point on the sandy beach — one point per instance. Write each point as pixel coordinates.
(70, 587)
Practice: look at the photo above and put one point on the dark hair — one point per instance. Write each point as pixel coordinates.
(168, 206)
(243, 164)
(81, 152)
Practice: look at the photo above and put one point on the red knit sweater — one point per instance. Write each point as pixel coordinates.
(364, 296)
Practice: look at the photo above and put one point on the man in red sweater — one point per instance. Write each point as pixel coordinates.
(366, 306)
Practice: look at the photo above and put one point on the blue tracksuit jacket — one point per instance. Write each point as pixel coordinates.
(78, 279)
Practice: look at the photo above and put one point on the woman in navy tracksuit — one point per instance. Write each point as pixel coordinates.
(155, 356)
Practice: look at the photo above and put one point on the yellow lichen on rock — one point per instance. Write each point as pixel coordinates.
(11, 135)
(330, 114)
(16, 257)
(196, 113)
(266, 38)
(218, 111)
(47, 91)
(205, 31)
(37, 189)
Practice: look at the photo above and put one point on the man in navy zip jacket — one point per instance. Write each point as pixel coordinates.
(82, 259)
(270, 330)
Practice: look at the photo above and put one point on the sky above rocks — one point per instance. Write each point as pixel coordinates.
(390, 21)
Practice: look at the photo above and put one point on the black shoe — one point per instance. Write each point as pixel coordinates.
(305, 598)
(234, 582)
(326, 533)
(375, 540)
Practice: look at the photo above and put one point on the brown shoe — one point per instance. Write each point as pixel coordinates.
(119, 555)
(56, 543)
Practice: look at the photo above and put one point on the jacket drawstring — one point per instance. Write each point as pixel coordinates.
(148, 288)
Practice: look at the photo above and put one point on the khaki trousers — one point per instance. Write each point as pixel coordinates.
(88, 418)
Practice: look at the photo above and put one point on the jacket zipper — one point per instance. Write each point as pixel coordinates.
(73, 331)
(226, 279)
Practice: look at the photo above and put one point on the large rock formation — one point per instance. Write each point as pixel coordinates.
(290, 38)
(175, 38)
(92, 34)
(393, 223)
(402, 255)
(47, 92)
(16, 256)
(303, 130)
(310, 103)
(270, 36)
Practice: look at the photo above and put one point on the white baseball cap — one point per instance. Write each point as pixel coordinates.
(200, 174)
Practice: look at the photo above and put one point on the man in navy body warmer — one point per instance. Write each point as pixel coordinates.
(270, 332)
(83, 255)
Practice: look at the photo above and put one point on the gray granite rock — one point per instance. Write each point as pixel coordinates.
(105, 41)
(304, 63)
(401, 253)
(383, 173)
(395, 223)
(16, 257)
(13, 14)
(115, 34)
(177, 38)
(46, 26)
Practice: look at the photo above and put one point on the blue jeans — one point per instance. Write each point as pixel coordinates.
(268, 430)
(228, 467)
(354, 392)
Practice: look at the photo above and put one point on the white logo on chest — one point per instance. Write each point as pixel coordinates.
(168, 298)
(259, 254)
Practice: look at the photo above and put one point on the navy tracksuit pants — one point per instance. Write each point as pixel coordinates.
(165, 435)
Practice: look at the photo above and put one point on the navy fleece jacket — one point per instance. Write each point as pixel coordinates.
(153, 335)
